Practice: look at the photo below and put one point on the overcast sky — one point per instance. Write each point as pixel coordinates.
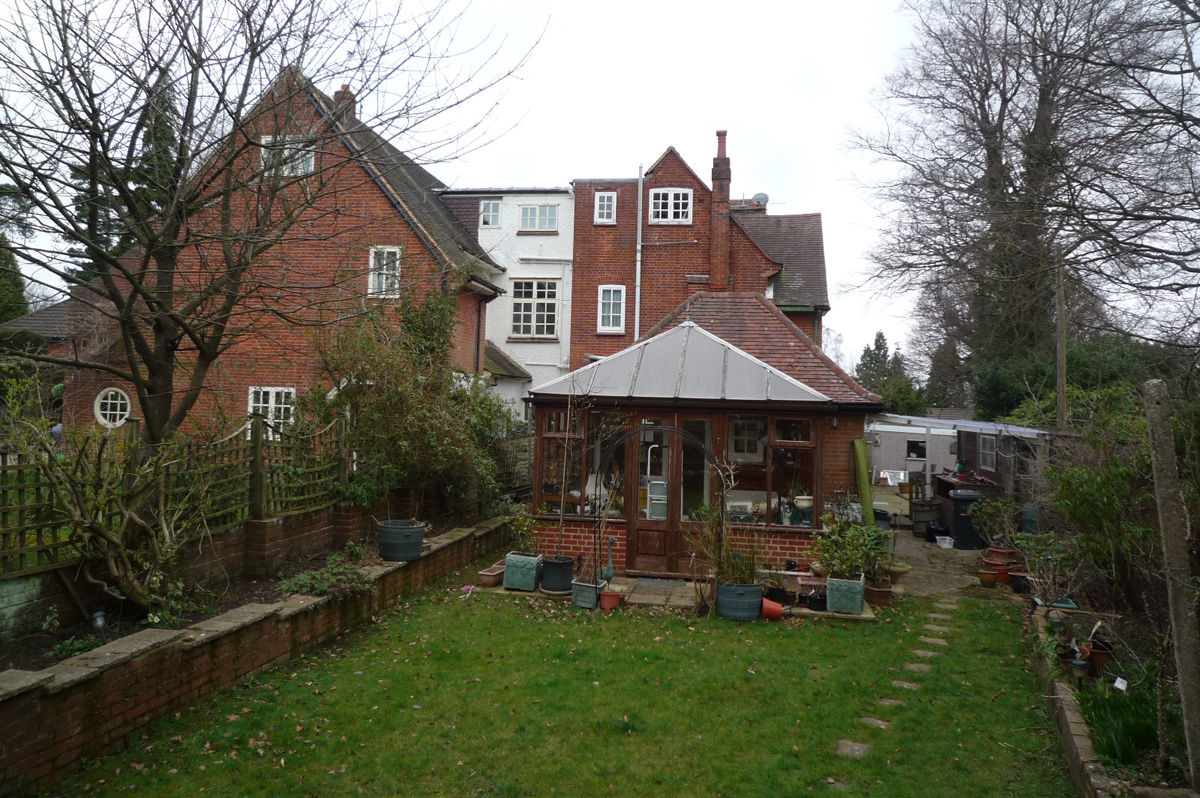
(612, 85)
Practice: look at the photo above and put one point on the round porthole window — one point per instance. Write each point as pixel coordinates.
(111, 407)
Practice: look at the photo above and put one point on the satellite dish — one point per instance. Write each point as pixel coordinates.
(760, 199)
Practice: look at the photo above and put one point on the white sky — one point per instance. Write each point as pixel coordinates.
(612, 85)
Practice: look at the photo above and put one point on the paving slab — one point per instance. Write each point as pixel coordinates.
(852, 749)
(945, 605)
(921, 652)
(875, 722)
(933, 627)
(941, 616)
(891, 702)
(918, 667)
(933, 641)
(903, 685)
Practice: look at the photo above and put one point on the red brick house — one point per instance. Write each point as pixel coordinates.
(643, 245)
(695, 338)
(375, 231)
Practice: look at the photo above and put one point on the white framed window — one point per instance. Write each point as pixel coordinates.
(277, 406)
(746, 439)
(541, 218)
(384, 277)
(111, 407)
(987, 452)
(671, 206)
(610, 309)
(288, 156)
(489, 213)
(606, 207)
(535, 308)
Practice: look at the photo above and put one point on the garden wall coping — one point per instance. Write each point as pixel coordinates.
(15, 681)
(126, 648)
(227, 622)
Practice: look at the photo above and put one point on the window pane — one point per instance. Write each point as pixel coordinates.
(792, 477)
(697, 487)
(793, 429)
(746, 451)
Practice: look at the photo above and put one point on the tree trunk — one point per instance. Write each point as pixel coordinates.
(1181, 596)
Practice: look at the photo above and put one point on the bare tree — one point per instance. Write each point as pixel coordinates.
(181, 124)
(998, 135)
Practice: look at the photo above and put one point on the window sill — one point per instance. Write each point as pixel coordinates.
(610, 332)
(671, 224)
(530, 339)
(537, 232)
(605, 224)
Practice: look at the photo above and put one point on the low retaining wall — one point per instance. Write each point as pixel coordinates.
(90, 704)
(1091, 779)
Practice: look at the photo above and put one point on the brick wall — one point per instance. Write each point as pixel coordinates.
(94, 703)
(676, 259)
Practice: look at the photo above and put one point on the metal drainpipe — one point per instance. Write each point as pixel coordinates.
(637, 277)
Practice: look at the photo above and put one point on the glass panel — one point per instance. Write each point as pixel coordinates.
(746, 451)
(606, 465)
(792, 474)
(793, 429)
(653, 468)
(561, 482)
(696, 484)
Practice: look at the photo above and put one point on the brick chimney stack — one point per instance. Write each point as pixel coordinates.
(718, 277)
(344, 99)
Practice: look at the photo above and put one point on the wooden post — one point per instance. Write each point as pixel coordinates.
(258, 470)
(343, 455)
(1181, 595)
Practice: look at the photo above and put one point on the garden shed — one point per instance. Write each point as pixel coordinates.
(632, 442)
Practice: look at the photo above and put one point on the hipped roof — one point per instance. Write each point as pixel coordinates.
(686, 362)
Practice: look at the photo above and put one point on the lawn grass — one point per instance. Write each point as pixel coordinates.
(512, 696)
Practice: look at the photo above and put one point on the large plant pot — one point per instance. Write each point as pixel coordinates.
(845, 595)
(400, 541)
(557, 572)
(521, 570)
(878, 595)
(739, 602)
(586, 594)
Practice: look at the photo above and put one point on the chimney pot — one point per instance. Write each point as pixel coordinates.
(344, 99)
(721, 143)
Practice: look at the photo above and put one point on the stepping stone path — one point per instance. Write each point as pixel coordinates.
(934, 638)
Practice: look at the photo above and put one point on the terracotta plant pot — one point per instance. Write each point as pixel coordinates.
(771, 610)
(1002, 574)
(610, 599)
(987, 578)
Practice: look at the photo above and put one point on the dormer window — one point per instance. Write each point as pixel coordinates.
(671, 206)
(288, 156)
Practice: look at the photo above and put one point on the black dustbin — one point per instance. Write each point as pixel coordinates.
(962, 529)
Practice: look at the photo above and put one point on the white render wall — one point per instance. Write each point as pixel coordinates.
(531, 257)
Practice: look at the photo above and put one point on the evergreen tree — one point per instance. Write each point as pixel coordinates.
(13, 303)
(874, 365)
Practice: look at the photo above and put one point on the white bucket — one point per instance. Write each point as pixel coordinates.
(944, 542)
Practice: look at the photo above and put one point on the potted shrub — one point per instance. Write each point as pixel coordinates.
(849, 549)
(996, 522)
(523, 565)
(1052, 564)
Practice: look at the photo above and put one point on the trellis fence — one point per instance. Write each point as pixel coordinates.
(259, 471)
